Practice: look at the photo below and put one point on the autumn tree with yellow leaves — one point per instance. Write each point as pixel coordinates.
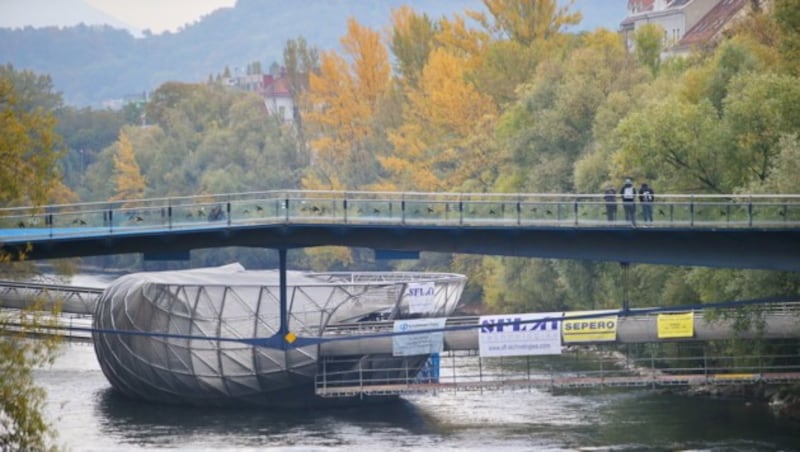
(441, 116)
(342, 101)
(128, 178)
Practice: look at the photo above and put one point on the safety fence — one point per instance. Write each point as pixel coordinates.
(578, 367)
(395, 208)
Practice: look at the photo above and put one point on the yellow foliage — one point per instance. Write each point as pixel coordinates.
(128, 178)
(526, 21)
(30, 149)
(370, 63)
(463, 42)
(342, 102)
(431, 147)
(61, 194)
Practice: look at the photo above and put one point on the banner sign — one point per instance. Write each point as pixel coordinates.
(421, 297)
(418, 344)
(594, 329)
(675, 325)
(520, 334)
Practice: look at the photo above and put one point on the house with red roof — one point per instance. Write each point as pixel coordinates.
(277, 96)
(687, 24)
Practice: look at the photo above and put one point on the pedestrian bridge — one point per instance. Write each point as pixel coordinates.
(733, 231)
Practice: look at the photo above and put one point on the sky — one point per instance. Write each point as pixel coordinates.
(159, 15)
(135, 15)
(156, 15)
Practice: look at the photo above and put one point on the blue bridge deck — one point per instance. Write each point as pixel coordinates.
(735, 231)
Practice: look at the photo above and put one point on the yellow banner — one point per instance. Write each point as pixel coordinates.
(595, 329)
(675, 325)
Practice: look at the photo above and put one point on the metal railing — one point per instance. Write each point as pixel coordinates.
(392, 208)
(458, 371)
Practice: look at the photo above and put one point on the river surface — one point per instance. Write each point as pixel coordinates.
(89, 415)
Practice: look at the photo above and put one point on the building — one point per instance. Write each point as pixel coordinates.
(687, 24)
(711, 27)
(273, 88)
(277, 96)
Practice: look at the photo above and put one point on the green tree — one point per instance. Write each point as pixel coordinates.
(552, 124)
(299, 61)
(30, 147)
(412, 40)
(787, 15)
(761, 109)
(676, 142)
(731, 60)
(648, 40)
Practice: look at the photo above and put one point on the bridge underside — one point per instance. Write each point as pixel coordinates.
(772, 249)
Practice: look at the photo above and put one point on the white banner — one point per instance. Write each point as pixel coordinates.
(418, 344)
(520, 334)
(421, 297)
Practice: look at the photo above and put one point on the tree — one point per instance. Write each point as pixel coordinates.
(28, 143)
(731, 59)
(299, 61)
(22, 422)
(759, 111)
(130, 184)
(648, 40)
(525, 21)
(342, 102)
(551, 125)
(787, 15)
(677, 142)
(412, 40)
(434, 140)
(29, 146)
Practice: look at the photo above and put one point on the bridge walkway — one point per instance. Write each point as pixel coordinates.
(458, 371)
(730, 231)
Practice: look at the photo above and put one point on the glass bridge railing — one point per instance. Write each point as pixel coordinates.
(393, 208)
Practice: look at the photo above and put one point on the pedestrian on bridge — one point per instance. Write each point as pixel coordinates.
(628, 192)
(646, 197)
(610, 197)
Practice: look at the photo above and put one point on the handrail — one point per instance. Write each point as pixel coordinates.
(394, 208)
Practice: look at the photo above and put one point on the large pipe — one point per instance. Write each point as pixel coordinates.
(630, 330)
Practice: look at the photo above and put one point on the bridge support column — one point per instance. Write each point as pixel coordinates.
(283, 329)
(625, 284)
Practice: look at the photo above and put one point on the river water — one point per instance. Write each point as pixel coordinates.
(89, 415)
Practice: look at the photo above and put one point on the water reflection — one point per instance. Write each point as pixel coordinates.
(146, 424)
(677, 422)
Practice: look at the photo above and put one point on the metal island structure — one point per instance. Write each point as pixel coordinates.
(187, 336)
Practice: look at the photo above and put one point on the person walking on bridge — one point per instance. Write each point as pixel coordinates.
(646, 197)
(628, 192)
(610, 197)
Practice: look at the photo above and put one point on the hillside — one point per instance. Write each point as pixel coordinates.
(91, 64)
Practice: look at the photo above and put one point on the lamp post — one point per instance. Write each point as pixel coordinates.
(83, 167)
